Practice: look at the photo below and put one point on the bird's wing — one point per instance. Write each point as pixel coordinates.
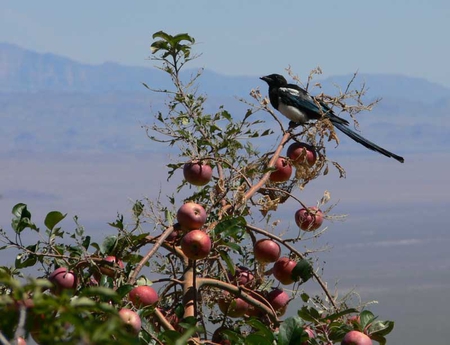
(293, 95)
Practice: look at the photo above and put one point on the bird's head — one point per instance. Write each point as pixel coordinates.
(276, 80)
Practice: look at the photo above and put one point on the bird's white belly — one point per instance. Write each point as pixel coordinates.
(293, 113)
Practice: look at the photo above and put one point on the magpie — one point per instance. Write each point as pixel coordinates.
(300, 107)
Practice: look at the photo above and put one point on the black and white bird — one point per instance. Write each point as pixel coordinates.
(300, 107)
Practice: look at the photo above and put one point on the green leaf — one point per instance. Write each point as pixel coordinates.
(309, 314)
(25, 260)
(261, 328)
(20, 211)
(236, 247)
(108, 245)
(53, 218)
(161, 34)
(124, 290)
(169, 337)
(86, 242)
(22, 219)
(232, 336)
(257, 339)
(290, 331)
(381, 328)
(138, 208)
(379, 338)
(305, 297)
(230, 227)
(302, 270)
(336, 316)
(366, 318)
(118, 223)
(230, 264)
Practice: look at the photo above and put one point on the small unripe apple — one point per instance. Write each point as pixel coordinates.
(309, 219)
(282, 172)
(191, 216)
(282, 270)
(356, 338)
(143, 295)
(266, 251)
(310, 333)
(196, 244)
(279, 300)
(301, 153)
(232, 306)
(131, 319)
(63, 279)
(197, 173)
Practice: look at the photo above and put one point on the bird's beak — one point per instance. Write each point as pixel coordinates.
(265, 78)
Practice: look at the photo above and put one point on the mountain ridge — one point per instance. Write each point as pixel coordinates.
(23, 70)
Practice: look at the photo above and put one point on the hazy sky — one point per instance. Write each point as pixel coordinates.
(245, 37)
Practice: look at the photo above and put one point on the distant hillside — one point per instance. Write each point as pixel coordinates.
(394, 86)
(53, 104)
(23, 70)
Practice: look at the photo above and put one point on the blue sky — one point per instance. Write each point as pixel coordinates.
(245, 37)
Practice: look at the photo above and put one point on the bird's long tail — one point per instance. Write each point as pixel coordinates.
(339, 124)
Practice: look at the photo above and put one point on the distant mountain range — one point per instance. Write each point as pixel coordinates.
(23, 70)
(52, 103)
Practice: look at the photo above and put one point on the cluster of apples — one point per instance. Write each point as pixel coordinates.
(140, 296)
(298, 154)
(195, 243)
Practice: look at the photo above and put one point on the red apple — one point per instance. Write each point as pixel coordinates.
(282, 172)
(266, 251)
(63, 279)
(108, 269)
(197, 173)
(143, 295)
(356, 338)
(191, 216)
(279, 300)
(301, 153)
(131, 319)
(196, 244)
(232, 306)
(242, 276)
(175, 234)
(282, 270)
(309, 219)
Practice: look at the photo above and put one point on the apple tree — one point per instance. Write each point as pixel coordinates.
(207, 264)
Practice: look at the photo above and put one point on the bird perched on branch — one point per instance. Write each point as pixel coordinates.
(300, 107)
